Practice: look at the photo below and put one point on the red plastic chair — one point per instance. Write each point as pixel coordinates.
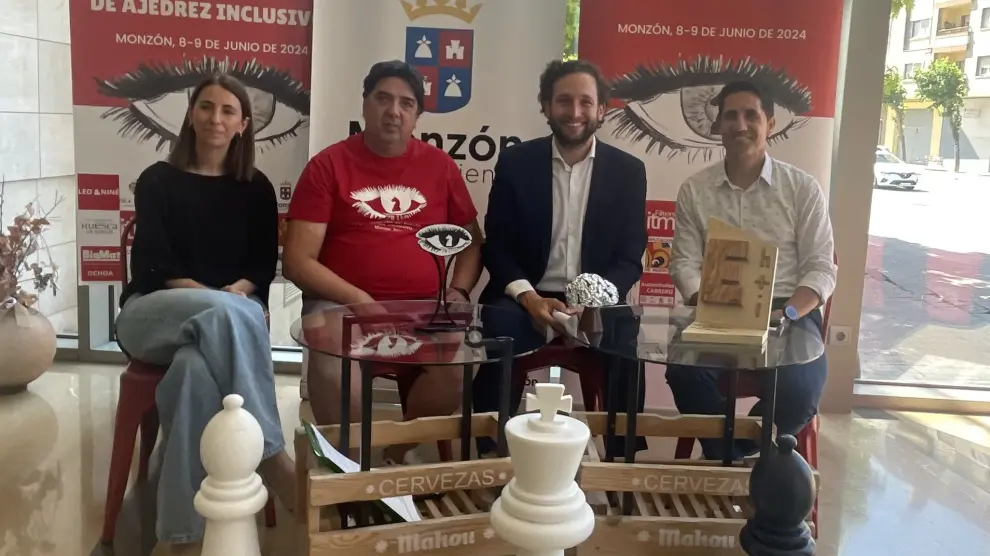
(748, 387)
(588, 364)
(136, 411)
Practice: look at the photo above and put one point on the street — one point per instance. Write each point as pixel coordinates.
(926, 304)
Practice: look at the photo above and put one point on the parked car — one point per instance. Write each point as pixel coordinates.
(890, 171)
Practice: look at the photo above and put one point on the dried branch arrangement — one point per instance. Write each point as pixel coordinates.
(22, 246)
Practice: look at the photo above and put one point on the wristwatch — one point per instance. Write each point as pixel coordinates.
(790, 312)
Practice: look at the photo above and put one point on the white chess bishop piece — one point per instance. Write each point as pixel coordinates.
(542, 511)
(232, 493)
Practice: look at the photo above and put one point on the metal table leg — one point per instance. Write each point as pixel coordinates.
(729, 432)
(611, 400)
(632, 411)
(466, 410)
(366, 406)
(345, 406)
(769, 407)
(505, 392)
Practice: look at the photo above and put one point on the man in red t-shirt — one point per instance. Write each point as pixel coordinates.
(352, 229)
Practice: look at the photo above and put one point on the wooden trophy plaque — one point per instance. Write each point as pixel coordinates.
(737, 277)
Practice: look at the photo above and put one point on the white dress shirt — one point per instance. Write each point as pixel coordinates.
(785, 206)
(571, 185)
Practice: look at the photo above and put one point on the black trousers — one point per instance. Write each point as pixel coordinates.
(509, 319)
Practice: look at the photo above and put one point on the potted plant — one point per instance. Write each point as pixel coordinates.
(27, 338)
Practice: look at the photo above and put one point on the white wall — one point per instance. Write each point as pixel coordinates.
(860, 91)
(36, 135)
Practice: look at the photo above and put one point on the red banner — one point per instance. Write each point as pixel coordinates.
(134, 65)
(667, 60)
(153, 46)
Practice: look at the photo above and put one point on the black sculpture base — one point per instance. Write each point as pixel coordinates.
(441, 323)
(440, 327)
(766, 540)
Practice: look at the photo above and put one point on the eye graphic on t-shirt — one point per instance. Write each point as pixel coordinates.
(391, 202)
(158, 98)
(443, 240)
(673, 107)
(385, 344)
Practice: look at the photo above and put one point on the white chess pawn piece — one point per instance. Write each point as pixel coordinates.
(542, 510)
(232, 493)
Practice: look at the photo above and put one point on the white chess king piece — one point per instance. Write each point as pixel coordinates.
(542, 510)
(232, 493)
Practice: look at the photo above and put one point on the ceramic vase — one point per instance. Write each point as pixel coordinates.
(27, 342)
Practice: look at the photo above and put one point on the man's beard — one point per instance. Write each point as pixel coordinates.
(564, 140)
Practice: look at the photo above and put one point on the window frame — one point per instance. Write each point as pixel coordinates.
(981, 63)
(921, 35)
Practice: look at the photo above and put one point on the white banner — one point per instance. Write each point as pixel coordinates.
(481, 60)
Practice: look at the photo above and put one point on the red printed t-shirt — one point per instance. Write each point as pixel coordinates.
(373, 207)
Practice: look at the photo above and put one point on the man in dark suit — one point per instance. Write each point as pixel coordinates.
(559, 206)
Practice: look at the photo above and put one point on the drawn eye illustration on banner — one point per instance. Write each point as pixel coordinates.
(157, 96)
(672, 108)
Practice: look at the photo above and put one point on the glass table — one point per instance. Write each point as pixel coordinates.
(653, 335)
(391, 334)
(644, 335)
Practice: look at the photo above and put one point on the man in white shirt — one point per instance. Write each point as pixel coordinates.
(559, 206)
(780, 204)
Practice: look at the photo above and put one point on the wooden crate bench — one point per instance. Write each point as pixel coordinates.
(455, 523)
(680, 507)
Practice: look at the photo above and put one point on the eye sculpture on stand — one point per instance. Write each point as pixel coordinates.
(441, 241)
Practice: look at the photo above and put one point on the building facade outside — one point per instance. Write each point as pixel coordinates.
(958, 30)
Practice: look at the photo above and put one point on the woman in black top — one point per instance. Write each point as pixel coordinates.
(204, 255)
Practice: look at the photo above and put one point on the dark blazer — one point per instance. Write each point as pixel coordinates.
(520, 217)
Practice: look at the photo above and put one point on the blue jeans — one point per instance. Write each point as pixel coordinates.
(799, 389)
(214, 344)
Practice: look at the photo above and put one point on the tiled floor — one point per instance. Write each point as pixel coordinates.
(892, 485)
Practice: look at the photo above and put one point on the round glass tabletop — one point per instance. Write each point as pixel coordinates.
(653, 335)
(402, 332)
